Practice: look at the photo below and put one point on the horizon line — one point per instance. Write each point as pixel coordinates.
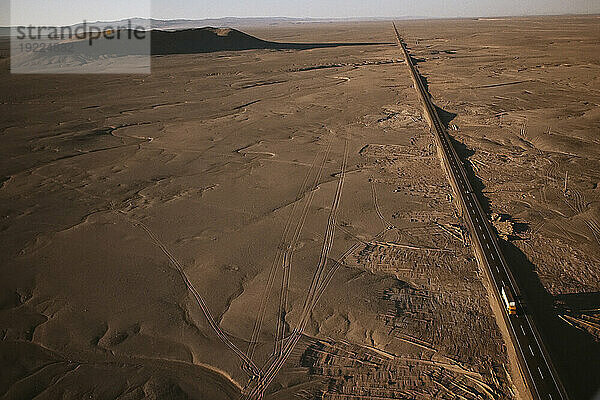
(380, 18)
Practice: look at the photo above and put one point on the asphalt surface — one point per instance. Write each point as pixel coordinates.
(534, 361)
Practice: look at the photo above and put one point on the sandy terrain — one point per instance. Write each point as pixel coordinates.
(527, 118)
(283, 210)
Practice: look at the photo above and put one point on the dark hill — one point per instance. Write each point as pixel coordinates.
(205, 40)
(187, 41)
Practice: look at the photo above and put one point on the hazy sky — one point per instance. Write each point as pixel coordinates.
(70, 11)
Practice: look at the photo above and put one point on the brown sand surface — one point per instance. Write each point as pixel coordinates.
(522, 100)
(158, 232)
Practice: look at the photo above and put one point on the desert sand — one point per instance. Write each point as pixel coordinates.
(278, 216)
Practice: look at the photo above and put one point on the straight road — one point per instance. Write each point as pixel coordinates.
(534, 362)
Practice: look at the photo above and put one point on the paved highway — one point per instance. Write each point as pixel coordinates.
(534, 361)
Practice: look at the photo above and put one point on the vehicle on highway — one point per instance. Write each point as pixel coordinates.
(509, 300)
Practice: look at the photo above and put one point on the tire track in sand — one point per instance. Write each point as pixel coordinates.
(288, 256)
(248, 363)
(258, 391)
(285, 245)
